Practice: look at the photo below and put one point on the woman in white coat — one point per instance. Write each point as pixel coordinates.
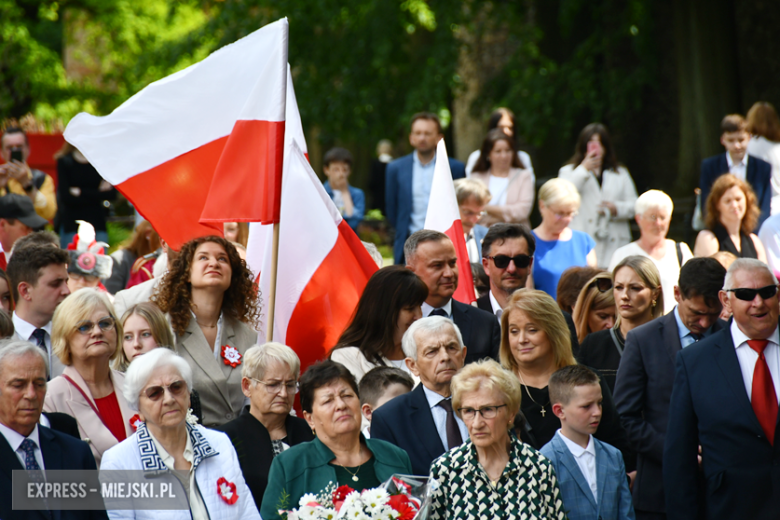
(764, 127)
(607, 191)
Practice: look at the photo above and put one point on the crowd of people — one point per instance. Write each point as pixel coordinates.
(594, 377)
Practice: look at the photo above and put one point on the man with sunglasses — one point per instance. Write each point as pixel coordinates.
(646, 374)
(724, 403)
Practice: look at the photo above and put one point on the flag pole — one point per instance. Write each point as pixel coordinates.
(269, 333)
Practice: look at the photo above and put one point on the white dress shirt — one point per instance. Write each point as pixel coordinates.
(471, 247)
(25, 331)
(447, 307)
(497, 310)
(15, 440)
(586, 460)
(197, 506)
(739, 169)
(747, 358)
(422, 180)
(440, 418)
(684, 334)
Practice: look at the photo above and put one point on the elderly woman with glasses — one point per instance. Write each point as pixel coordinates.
(265, 428)
(206, 465)
(85, 333)
(493, 474)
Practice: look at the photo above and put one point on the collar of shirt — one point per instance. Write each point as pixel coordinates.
(167, 458)
(447, 307)
(742, 163)
(25, 329)
(576, 450)
(740, 338)
(15, 438)
(433, 398)
(497, 310)
(682, 330)
(419, 164)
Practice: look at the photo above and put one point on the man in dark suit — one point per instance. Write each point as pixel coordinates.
(25, 444)
(758, 173)
(646, 374)
(422, 422)
(724, 403)
(409, 179)
(431, 256)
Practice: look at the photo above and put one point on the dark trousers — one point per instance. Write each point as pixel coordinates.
(649, 515)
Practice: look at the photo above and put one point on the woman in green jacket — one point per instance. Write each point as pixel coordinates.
(339, 454)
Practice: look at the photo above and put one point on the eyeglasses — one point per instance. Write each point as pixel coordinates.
(564, 214)
(487, 412)
(276, 386)
(502, 261)
(748, 295)
(104, 324)
(602, 284)
(154, 393)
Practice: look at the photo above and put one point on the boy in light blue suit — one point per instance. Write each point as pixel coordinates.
(591, 474)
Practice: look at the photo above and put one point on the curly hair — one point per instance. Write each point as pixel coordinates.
(173, 295)
(723, 184)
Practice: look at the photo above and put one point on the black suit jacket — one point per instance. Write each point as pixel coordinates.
(407, 422)
(758, 175)
(484, 304)
(253, 447)
(480, 330)
(60, 451)
(710, 407)
(643, 389)
(64, 423)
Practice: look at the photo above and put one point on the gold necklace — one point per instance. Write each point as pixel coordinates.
(543, 411)
(354, 475)
(204, 325)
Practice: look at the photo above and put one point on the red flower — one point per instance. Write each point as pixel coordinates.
(339, 495)
(135, 421)
(402, 486)
(227, 491)
(231, 356)
(401, 504)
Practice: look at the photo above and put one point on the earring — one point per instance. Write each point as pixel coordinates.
(654, 303)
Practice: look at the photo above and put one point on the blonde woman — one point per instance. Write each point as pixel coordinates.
(534, 344)
(144, 328)
(595, 307)
(558, 247)
(639, 299)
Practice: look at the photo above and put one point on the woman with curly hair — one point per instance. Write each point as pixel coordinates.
(211, 302)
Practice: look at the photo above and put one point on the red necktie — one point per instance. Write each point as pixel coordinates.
(764, 399)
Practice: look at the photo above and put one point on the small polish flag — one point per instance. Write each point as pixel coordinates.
(443, 215)
(201, 146)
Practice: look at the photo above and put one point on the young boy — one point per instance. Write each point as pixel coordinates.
(351, 202)
(378, 386)
(591, 474)
(758, 173)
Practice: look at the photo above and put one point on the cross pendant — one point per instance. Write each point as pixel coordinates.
(543, 412)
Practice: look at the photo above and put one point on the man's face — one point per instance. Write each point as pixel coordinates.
(439, 357)
(437, 265)
(695, 314)
(756, 318)
(337, 173)
(14, 142)
(48, 293)
(12, 231)
(424, 136)
(511, 278)
(735, 143)
(470, 213)
(22, 389)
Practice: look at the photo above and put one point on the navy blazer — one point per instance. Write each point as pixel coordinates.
(358, 202)
(643, 389)
(710, 407)
(611, 484)
(398, 197)
(480, 330)
(60, 451)
(758, 175)
(406, 421)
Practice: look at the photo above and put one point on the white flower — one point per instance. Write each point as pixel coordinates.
(191, 418)
(375, 497)
(306, 498)
(307, 512)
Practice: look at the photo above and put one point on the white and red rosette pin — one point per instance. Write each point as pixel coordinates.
(231, 356)
(227, 491)
(135, 422)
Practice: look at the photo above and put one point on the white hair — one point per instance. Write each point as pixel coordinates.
(18, 348)
(653, 199)
(746, 264)
(257, 359)
(429, 324)
(142, 367)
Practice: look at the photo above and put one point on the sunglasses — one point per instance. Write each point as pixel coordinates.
(154, 393)
(602, 284)
(502, 261)
(748, 295)
(105, 324)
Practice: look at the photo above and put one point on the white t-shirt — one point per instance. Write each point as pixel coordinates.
(668, 266)
(498, 187)
(770, 237)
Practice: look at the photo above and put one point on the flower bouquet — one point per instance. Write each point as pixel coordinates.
(403, 497)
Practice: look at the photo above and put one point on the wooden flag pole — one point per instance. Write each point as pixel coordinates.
(269, 333)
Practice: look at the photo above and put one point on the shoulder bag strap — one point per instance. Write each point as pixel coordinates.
(89, 401)
(679, 253)
(616, 342)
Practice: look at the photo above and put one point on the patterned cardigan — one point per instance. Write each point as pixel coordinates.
(527, 489)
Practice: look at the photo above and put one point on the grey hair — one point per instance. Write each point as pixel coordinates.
(257, 359)
(746, 264)
(653, 199)
(419, 237)
(18, 348)
(142, 367)
(429, 324)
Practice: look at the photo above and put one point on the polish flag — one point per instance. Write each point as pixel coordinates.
(322, 270)
(201, 146)
(443, 215)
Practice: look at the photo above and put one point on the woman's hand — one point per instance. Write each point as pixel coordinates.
(349, 206)
(610, 206)
(592, 161)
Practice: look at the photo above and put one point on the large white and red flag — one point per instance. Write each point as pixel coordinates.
(443, 215)
(201, 146)
(322, 270)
